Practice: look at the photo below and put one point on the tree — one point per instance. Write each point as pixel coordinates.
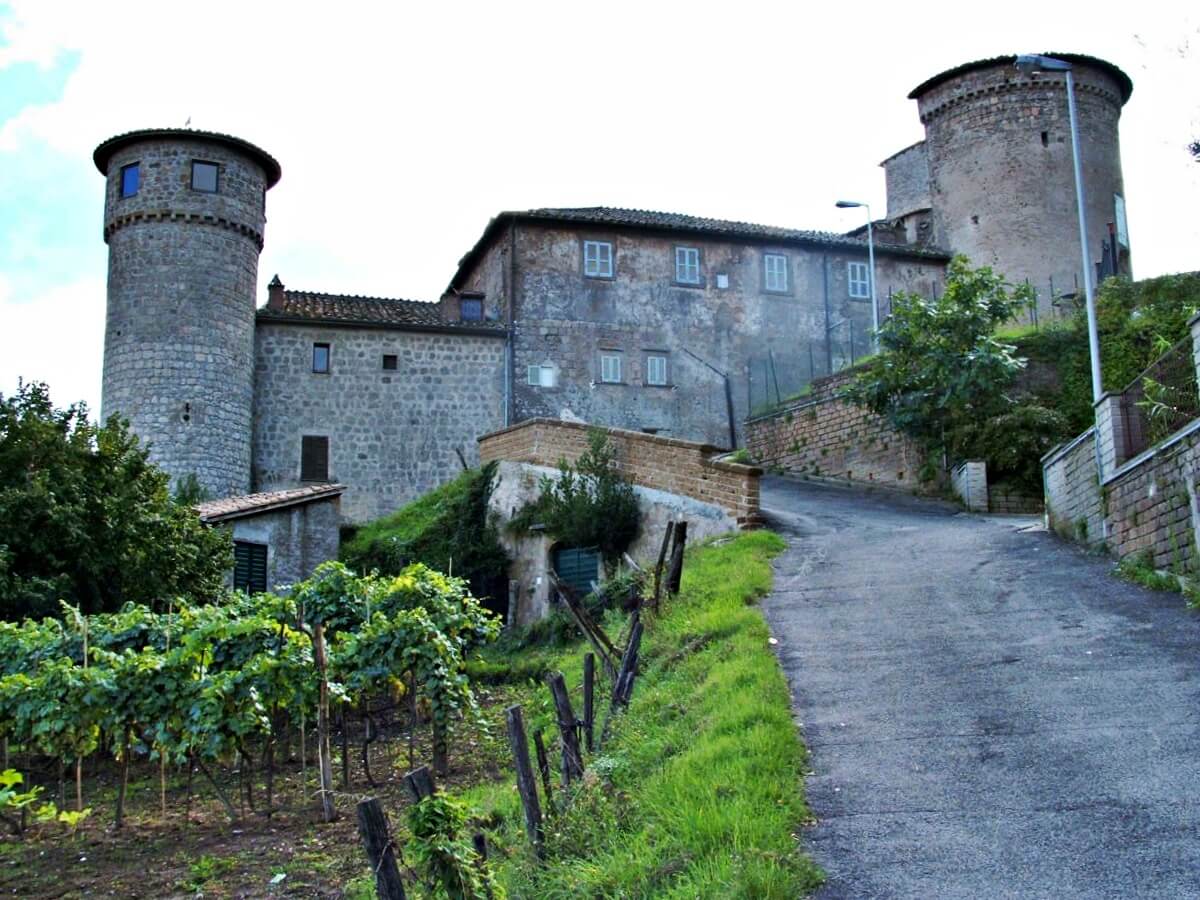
(941, 371)
(85, 516)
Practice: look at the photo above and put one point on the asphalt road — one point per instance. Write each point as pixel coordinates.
(990, 713)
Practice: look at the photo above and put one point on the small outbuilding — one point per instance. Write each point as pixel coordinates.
(279, 537)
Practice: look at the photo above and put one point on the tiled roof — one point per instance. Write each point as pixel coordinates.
(378, 311)
(616, 217)
(226, 508)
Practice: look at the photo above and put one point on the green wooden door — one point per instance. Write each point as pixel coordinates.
(577, 567)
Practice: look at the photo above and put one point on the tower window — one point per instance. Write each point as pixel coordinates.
(130, 179)
(390, 362)
(314, 458)
(204, 176)
(860, 281)
(321, 359)
(249, 567)
(470, 309)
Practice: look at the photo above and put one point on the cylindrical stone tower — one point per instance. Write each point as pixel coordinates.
(184, 213)
(1001, 179)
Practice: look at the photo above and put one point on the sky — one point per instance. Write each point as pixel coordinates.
(403, 127)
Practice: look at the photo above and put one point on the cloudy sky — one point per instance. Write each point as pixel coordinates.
(403, 127)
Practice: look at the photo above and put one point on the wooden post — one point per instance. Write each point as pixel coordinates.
(662, 556)
(623, 689)
(526, 786)
(676, 572)
(589, 699)
(377, 838)
(572, 759)
(543, 762)
(420, 784)
(323, 751)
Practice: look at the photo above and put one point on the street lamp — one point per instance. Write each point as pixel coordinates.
(852, 204)
(1029, 64)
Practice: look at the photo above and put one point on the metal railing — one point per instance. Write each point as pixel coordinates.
(1161, 400)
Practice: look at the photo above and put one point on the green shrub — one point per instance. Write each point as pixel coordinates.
(1014, 442)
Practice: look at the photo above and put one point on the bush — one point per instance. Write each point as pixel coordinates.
(1014, 442)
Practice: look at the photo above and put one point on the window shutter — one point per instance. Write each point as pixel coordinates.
(249, 567)
(314, 458)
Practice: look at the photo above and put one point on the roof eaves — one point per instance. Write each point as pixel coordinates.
(285, 500)
(283, 318)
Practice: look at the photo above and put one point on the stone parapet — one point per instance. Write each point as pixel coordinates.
(675, 466)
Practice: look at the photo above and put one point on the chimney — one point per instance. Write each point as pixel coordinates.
(275, 294)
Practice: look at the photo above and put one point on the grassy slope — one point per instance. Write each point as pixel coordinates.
(698, 792)
(408, 522)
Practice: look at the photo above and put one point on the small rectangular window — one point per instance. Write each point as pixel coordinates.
(775, 272)
(390, 362)
(597, 259)
(204, 176)
(321, 359)
(130, 179)
(860, 281)
(314, 458)
(610, 368)
(249, 567)
(687, 265)
(656, 371)
(470, 309)
(540, 376)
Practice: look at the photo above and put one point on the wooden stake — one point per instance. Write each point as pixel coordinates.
(589, 700)
(658, 567)
(543, 762)
(526, 786)
(420, 784)
(572, 759)
(676, 571)
(377, 839)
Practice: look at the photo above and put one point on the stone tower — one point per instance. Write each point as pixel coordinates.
(995, 170)
(184, 213)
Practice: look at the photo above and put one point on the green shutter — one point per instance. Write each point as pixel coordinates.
(577, 567)
(249, 567)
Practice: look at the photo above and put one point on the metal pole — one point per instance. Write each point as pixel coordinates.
(874, 303)
(1089, 298)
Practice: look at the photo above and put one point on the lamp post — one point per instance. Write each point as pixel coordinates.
(1028, 64)
(852, 204)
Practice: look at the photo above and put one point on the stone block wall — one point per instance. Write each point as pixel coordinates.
(298, 538)
(824, 436)
(392, 433)
(665, 464)
(1073, 500)
(969, 481)
(1005, 500)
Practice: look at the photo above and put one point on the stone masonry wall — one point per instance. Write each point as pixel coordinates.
(1073, 507)
(298, 538)
(823, 436)
(969, 481)
(666, 464)
(392, 433)
(907, 177)
(564, 320)
(179, 334)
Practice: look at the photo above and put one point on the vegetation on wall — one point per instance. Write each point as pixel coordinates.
(447, 529)
(85, 516)
(590, 504)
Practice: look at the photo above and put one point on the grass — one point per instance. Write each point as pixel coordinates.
(1140, 569)
(410, 521)
(698, 792)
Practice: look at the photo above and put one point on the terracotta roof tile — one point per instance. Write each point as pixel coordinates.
(356, 310)
(212, 511)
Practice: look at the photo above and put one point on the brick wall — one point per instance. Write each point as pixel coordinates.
(1073, 507)
(666, 464)
(823, 436)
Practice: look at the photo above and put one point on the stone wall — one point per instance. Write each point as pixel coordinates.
(298, 538)
(823, 436)
(564, 320)
(179, 334)
(907, 177)
(665, 464)
(1073, 507)
(392, 433)
(999, 146)
(969, 481)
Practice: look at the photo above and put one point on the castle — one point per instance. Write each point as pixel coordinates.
(665, 323)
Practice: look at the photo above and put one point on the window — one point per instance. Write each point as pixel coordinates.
(656, 371)
(610, 368)
(597, 259)
(775, 272)
(249, 567)
(321, 359)
(540, 376)
(130, 179)
(470, 309)
(390, 362)
(687, 265)
(314, 458)
(204, 176)
(860, 281)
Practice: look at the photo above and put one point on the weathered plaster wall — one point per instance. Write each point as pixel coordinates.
(673, 466)
(518, 483)
(298, 538)
(824, 436)
(179, 333)
(1003, 196)
(392, 434)
(907, 177)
